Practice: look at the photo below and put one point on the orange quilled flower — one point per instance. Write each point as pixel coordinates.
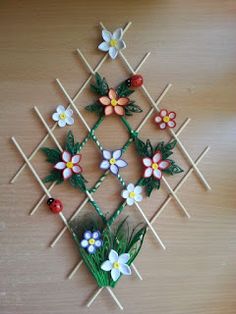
(114, 103)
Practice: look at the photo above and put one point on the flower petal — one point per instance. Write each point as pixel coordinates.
(163, 113)
(157, 174)
(76, 158)
(171, 124)
(66, 156)
(115, 274)
(106, 154)
(91, 249)
(108, 110)
(61, 109)
(172, 115)
(124, 258)
(157, 157)
(113, 52)
(121, 45)
(121, 163)
(117, 153)
(56, 116)
(138, 189)
(60, 165)
(138, 198)
(104, 46)
(130, 187)
(105, 165)
(147, 162)
(96, 235)
(69, 120)
(107, 266)
(69, 112)
(148, 172)
(125, 269)
(164, 164)
(157, 119)
(105, 101)
(117, 34)
(130, 201)
(119, 110)
(113, 256)
(84, 243)
(106, 35)
(125, 194)
(162, 126)
(114, 169)
(62, 123)
(123, 101)
(88, 235)
(67, 173)
(76, 169)
(112, 93)
(98, 243)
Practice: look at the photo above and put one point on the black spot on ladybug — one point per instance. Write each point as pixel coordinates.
(50, 201)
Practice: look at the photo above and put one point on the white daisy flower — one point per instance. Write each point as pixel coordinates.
(63, 116)
(117, 264)
(112, 43)
(132, 194)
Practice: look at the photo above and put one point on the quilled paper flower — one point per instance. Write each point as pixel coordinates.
(113, 103)
(117, 264)
(155, 165)
(132, 194)
(165, 119)
(91, 241)
(112, 161)
(63, 116)
(69, 165)
(112, 43)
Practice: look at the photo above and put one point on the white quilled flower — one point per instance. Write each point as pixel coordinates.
(117, 264)
(69, 165)
(132, 194)
(112, 43)
(112, 161)
(155, 165)
(63, 116)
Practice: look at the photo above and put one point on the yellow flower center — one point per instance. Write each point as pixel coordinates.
(113, 102)
(154, 166)
(112, 161)
(91, 241)
(166, 119)
(132, 195)
(62, 116)
(69, 164)
(113, 42)
(116, 265)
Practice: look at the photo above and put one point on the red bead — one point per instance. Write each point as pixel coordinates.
(56, 206)
(136, 80)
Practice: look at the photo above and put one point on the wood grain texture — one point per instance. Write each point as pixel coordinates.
(193, 45)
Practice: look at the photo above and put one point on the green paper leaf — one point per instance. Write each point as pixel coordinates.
(173, 169)
(140, 147)
(123, 90)
(54, 176)
(70, 143)
(78, 181)
(132, 107)
(149, 148)
(53, 154)
(95, 107)
(100, 87)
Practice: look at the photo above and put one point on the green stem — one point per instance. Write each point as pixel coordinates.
(98, 210)
(99, 182)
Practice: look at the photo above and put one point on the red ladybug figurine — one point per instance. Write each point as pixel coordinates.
(135, 81)
(56, 206)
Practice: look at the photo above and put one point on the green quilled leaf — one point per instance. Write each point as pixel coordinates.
(100, 87)
(53, 154)
(123, 90)
(95, 107)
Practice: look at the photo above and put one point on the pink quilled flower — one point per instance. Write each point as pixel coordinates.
(69, 165)
(113, 103)
(155, 165)
(165, 119)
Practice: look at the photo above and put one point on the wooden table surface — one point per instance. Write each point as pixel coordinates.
(193, 46)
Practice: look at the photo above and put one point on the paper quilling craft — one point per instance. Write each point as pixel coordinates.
(109, 248)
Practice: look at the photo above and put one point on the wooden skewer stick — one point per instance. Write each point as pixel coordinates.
(169, 198)
(99, 290)
(114, 298)
(82, 88)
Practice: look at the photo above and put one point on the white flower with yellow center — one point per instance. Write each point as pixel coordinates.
(117, 264)
(112, 161)
(112, 43)
(63, 116)
(132, 194)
